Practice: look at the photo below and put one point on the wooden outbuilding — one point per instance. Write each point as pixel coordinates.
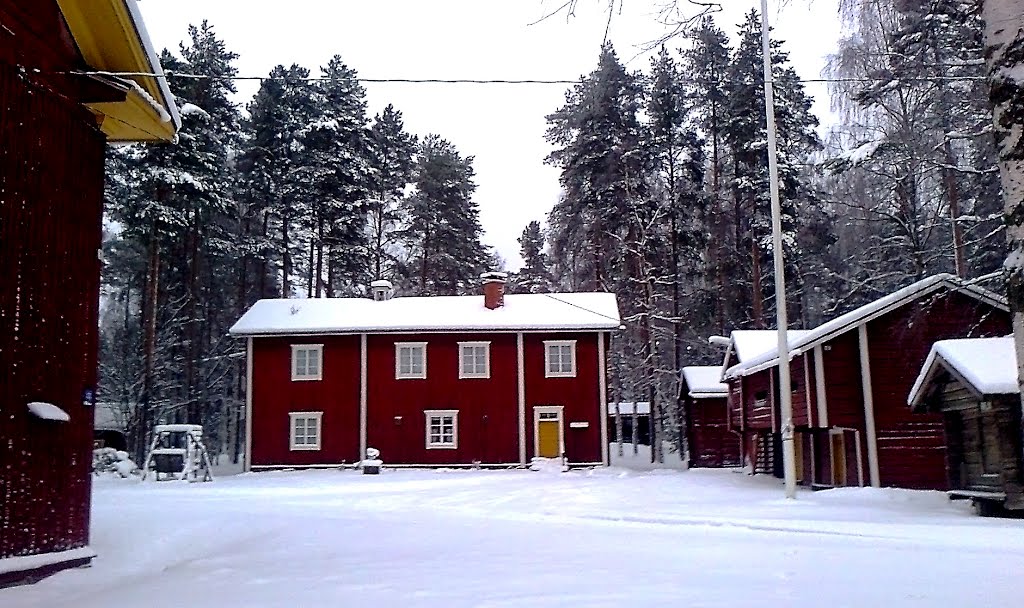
(710, 441)
(972, 383)
(487, 380)
(59, 106)
(850, 377)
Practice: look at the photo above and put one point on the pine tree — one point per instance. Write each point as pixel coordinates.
(535, 275)
(443, 230)
(392, 161)
(746, 137)
(602, 170)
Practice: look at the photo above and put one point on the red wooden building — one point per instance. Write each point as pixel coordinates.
(54, 126)
(710, 441)
(490, 380)
(850, 377)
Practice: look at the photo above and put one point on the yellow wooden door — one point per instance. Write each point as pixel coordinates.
(547, 438)
(838, 445)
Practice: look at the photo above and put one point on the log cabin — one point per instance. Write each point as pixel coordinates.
(973, 384)
(749, 414)
(492, 380)
(60, 103)
(710, 442)
(850, 377)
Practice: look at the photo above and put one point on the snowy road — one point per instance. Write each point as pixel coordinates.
(607, 537)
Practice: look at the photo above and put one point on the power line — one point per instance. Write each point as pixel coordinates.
(489, 81)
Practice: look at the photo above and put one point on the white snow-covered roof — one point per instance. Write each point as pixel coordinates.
(750, 344)
(987, 365)
(626, 408)
(554, 312)
(153, 58)
(859, 316)
(705, 382)
(108, 416)
(48, 411)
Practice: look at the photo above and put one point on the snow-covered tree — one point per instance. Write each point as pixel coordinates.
(392, 155)
(535, 275)
(442, 231)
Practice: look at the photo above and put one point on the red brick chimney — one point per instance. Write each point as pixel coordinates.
(494, 289)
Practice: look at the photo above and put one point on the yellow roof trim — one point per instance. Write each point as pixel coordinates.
(111, 38)
(135, 119)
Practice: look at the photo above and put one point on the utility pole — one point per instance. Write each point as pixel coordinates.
(781, 320)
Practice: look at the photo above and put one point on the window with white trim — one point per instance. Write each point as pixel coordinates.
(307, 361)
(559, 358)
(474, 359)
(442, 429)
(305, 430)
(410, 360)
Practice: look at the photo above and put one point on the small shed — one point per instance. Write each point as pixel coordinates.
(623, 413)
(973, 384)
(709, 440)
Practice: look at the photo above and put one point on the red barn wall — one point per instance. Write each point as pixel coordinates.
(758, 416)
(488, 422)
(710, 441)
(912, 447)
(51, 190)
(274, 395)
(580, 396)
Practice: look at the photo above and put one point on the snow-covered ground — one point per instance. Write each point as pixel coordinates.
(603, 537)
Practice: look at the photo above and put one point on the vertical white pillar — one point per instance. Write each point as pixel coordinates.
(869, 405)
(819, 385)
(362, 396)
(248, 405)
(603, 383)
(521, 378)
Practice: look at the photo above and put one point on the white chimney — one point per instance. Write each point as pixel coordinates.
(381, 290)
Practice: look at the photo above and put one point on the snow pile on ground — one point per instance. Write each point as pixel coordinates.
(548, 465)
(109, 460)
(494, 539)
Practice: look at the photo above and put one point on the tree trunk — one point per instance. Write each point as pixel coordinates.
(149, 341)
(1004, 50)
(286, 259)
(757, 301)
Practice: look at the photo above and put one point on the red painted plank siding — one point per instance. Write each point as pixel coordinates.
(710, 441)
(275, 394)
(580, 396)
(51, 197)
(488, 407)
(844, 392)
(912, 447)
(758, 412)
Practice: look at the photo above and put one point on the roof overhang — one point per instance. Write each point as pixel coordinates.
(850, 321)
(936, 367)
(111, 37)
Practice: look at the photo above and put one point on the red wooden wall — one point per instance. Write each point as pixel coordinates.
(274, 395)
(488, 419)
(488, 407)
(51, 187)
(710, 441)
(580, 395)
(912, 447)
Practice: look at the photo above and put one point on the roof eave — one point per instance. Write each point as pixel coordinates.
(112, 37)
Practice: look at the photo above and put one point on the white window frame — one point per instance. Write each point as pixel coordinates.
(454, 445)
(319, 348)
(398, 361)
(305, 447)
(548, 345)
(463, 346)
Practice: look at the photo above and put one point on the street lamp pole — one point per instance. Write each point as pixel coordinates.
(781, 320)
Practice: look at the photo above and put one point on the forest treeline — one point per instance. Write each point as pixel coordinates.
(664, 202)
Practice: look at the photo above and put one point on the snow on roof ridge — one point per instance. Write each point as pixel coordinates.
(989, 365)
(704, 381)
(863, 314)
(559, 311)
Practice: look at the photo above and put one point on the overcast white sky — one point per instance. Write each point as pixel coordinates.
(502, 126)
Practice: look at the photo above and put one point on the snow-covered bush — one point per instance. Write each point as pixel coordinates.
(109, 460)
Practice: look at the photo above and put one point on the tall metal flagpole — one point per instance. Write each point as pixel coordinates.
(781, 320)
